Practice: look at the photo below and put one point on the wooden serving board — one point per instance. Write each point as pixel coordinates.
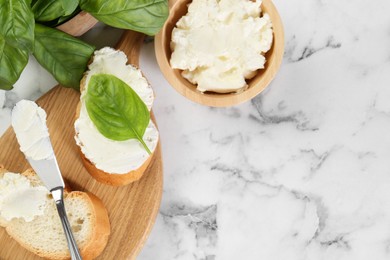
(132, 209)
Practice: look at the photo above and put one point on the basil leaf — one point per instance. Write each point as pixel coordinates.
(64, 56)
(116, 109)
(16, 39)
(69, 6)
(12, 63)
(17, 24)
(65, 18)
(146, 16)
(48, 10)
(2, 44)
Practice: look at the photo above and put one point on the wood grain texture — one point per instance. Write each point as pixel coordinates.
(132, 209)
(255, 86)
(79, 24)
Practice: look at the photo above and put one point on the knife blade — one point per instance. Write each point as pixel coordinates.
(48, 171)
(29, 123)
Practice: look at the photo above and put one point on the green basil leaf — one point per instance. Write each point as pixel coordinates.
(65, 18)
(12, 63)
(146, 16)
(64, 56)
(17, 24)
(69, 6)
(116, 109)
(2, 44)
(48, 10)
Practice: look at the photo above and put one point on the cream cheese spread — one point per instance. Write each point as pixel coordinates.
(19, 199)
(29, 124)
(116, 157)
(220, 44)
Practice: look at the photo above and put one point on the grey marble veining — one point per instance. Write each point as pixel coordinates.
(299, 172)
(302, 171)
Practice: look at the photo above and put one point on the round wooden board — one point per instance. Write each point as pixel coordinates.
(132, 209)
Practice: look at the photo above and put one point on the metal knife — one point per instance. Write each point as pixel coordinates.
(49, 172)
(29, 123)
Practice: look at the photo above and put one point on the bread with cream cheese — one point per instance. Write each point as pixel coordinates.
(44, 235)
(94, 146)
(112, 178)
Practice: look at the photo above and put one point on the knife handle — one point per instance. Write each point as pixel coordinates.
(58, 195)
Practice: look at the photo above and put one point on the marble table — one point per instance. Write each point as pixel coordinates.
(300, 172)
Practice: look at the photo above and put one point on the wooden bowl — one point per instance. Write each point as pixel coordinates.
(255, 85)
(79, 24)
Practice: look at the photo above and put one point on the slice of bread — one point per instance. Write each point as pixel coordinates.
(98, 173)
(44, 235)
(111, 178)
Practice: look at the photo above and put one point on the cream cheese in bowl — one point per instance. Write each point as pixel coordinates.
(218, 45)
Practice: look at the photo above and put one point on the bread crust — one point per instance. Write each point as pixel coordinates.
(99, 236)
(113, 179)
(102, 230)
(2, 170)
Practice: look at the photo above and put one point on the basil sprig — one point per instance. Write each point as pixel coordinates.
(62, 55)
(116, 110)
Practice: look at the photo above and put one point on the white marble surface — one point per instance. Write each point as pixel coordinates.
(302, 171)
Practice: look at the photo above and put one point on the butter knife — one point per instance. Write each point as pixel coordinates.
(29, 123)
(50, 175)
